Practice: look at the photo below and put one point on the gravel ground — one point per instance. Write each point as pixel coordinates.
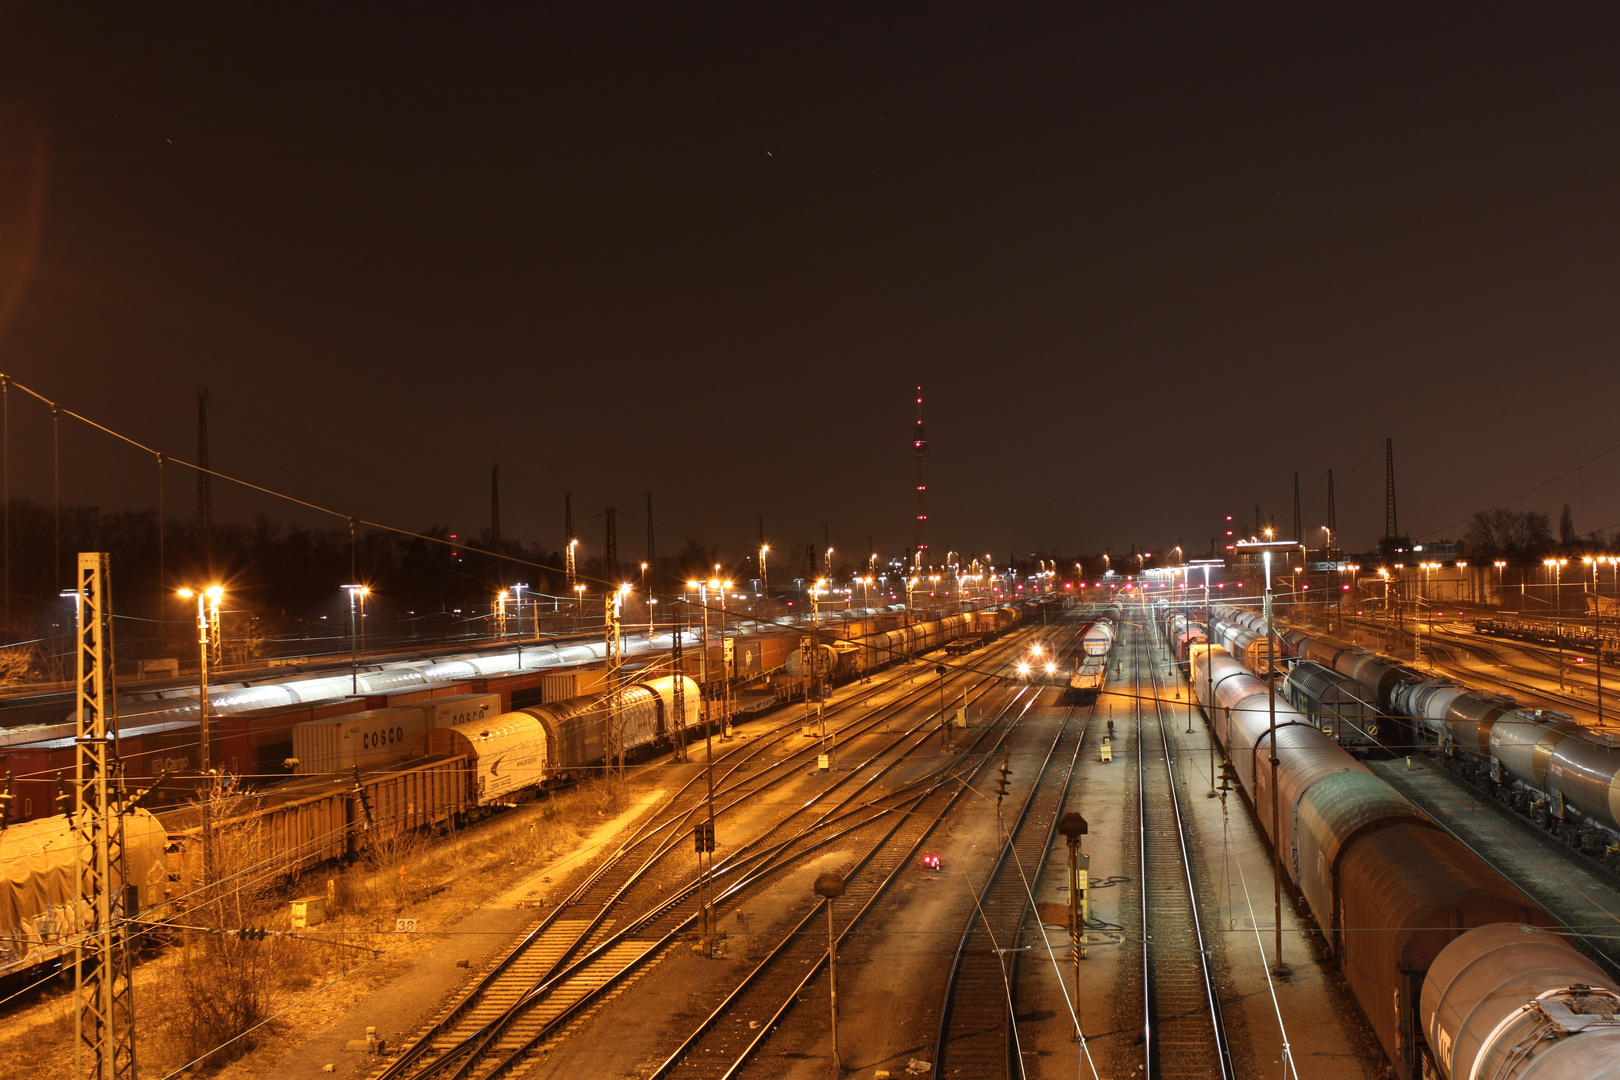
(890, 971)
(402, 990)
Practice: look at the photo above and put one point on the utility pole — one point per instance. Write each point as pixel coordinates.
(495, 507)
(104, 1048)
(1391, 524)
(1298, 535)
(652, 566)
(1266, 548)
(570, 542)
(612, 734)
(1333, 535)
(205, 488)
(677, 663)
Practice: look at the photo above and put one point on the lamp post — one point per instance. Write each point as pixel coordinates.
(517, 593)
(707, 919)
(1499, 564)
(354, 636)
(1597, 635)
(579, 605)
(1265, 548)
(1427, 599)
(764, 581)
(829, 887)
(207, 621)
(1209, 671)
(1557, 566)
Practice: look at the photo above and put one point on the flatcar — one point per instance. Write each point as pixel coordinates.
(1090, 672)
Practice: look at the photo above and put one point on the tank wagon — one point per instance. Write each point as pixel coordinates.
(1560, 775)
(1414, 917)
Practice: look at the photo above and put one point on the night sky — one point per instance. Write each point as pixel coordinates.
(1147, 262)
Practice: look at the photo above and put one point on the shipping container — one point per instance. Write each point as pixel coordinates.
(364, 739)
(562, 685)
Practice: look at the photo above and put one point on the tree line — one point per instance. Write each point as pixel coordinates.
(282, 577)
(1517, 535)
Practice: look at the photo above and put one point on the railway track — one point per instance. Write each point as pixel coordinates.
(721, 1045)
(977, 1032)
(1183, 1034)
(635, 906)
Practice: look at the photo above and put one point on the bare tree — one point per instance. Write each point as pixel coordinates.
(1504, 533)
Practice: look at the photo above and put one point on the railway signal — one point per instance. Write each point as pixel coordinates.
(1073, 827)
(1001, 783)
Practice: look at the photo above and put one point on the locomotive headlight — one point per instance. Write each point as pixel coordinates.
(1051, 669)
(1023, 669)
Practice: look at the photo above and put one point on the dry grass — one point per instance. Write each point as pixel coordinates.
(195, 1001)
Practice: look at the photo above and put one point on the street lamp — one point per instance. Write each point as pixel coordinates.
(354, 639)
(1597, 634)
(1265, 548)
(1557, 566)
(702, 588)
(1499, 564)
(1209, 640)
(830, 886)
(1558, 611)
(207, 620)
(764, 579)
(517, 594)
(579, 605)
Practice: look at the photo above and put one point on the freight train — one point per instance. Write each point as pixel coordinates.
(1091, 663)
(160, 739)
(1459, 974)
(1560, 775)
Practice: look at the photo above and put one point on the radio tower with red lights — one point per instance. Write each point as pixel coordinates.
(919, 450)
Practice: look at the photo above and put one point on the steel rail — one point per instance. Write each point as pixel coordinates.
(983, 980)
(558, 971)
(1153, 1021)
(801, 933)
(899, 815)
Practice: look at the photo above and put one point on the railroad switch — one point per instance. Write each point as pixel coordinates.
(1107, 751)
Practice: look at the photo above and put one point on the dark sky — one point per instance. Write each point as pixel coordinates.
(1147, 261)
